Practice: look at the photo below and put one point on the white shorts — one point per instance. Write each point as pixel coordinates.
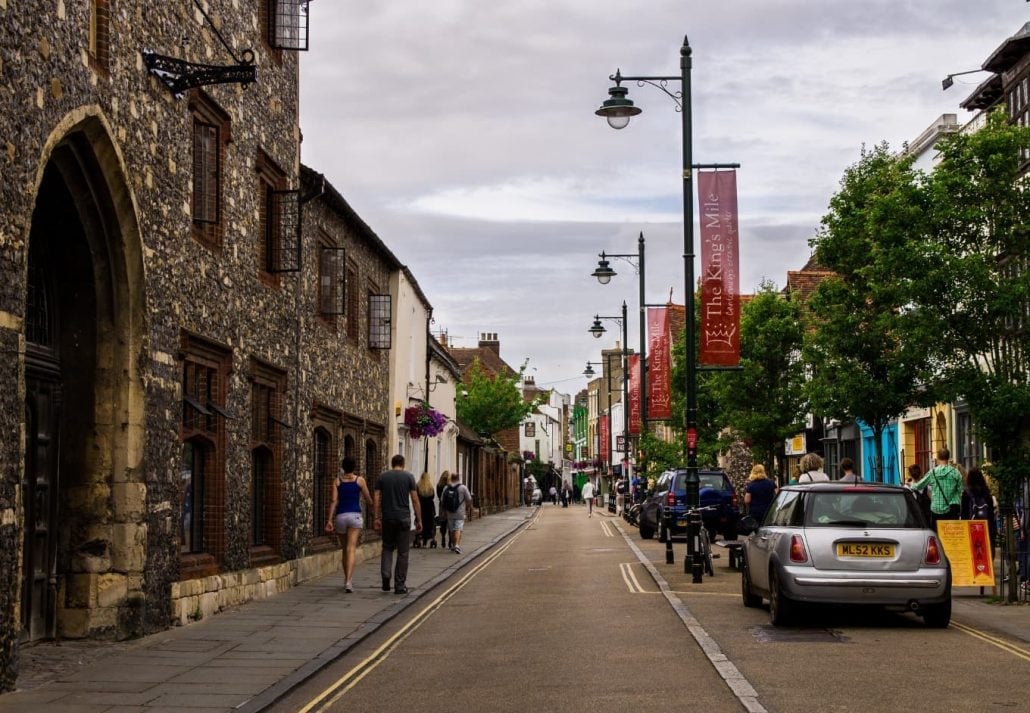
(348, 521)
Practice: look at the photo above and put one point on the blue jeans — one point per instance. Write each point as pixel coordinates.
(396, 537)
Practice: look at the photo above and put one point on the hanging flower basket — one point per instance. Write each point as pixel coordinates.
(424, 420)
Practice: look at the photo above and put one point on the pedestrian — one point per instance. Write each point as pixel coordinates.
(426, 497)
(456, 503)
(978, 503)
(553, 493)
(847, 467)
(945, 485)
(566, 493)
(759, 492)
(345, 515)
(812, 469)
(914, 473)
(620, 495)
(587, 493)
(528, 485)
(441, 518)
(394, 489)
(1021, 532)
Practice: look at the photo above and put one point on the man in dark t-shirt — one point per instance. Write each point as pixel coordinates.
(394, 489)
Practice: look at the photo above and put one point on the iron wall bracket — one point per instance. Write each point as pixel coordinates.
(179, 75)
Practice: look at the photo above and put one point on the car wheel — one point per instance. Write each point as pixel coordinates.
(781, 609)
(646, 532)
(937, 616)
(750, 599)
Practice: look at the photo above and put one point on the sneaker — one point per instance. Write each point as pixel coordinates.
(457, 550)
(386, 584)
(348, 587)
(401, 590)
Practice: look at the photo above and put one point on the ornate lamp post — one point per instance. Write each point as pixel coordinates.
(618, 109)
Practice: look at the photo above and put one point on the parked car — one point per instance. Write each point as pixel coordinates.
(665, 509)
(835, 543)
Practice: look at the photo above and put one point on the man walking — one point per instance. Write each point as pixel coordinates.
(456, 502)
(945, 483)
(588, 496)
(394, 489)
(847, 467)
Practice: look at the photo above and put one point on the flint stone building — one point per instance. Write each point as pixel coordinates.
(182, 365)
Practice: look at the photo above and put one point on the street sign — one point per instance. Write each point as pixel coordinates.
(692, 438)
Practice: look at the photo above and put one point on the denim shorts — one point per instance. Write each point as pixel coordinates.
(348, 521)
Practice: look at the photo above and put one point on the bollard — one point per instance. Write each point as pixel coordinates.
(669, 559)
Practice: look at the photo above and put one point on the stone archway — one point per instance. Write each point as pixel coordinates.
(84, 492)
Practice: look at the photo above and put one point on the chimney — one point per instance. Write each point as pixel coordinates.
(489, 341)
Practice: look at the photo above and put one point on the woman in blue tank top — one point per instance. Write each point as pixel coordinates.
(345, 515)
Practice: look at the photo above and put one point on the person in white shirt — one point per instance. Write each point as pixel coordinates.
(812, 469)
(588, 497)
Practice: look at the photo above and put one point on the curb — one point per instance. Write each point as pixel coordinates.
(327, 656)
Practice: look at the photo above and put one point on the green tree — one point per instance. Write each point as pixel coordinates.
(976, 289)
(868, 350)
(493, 403)
(763, 403)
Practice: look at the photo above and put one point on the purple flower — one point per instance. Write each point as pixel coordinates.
(424, 420)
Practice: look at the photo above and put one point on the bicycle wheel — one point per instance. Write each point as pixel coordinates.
(706, 553)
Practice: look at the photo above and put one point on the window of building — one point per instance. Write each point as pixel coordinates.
(206, 369)
(286, 23)
(332, 261)
(322, 480)
(268, 385)
(279, 210)
(378, 319)
(967, 450)
(98, 44)
(210, 137)
(921, 442)
(353, 302)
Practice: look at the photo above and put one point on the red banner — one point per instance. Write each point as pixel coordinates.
(720, 268)
(605, 437)
(659, 361)
(634, 393)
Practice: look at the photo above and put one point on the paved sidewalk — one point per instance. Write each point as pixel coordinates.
(242, 660)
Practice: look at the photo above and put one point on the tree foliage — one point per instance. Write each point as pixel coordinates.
(976, 289)
(493, 403)
(868, 350)
(763, 403)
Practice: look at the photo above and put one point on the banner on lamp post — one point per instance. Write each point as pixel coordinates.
(634, 393)
(720, 271)
(606, 438)
(659, 359)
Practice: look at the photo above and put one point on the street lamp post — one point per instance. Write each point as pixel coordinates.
(618, 110)
(597, 329)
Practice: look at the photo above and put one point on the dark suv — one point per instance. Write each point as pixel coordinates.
(665, 510)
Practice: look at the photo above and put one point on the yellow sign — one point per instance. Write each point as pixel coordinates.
(968, 548)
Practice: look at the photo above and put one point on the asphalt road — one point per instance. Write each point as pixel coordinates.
(565, 617)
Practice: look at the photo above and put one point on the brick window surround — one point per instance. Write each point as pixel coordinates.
(211, 135)
(206, 369)
(99, 40)
(270, 179)
(353, 301)
(325, 463)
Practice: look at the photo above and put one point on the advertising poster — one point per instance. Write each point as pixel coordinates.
(659, 361)
(969, 550)
(720, 272)
(606, 439)
(634, 393)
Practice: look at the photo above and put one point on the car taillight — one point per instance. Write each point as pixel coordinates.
(797, 549)
(933, 551)
(670, 498)
(733, 500)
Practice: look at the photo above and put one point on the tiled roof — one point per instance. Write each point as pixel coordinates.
(489, 359)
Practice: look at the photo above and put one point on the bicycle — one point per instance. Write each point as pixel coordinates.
(704, 544)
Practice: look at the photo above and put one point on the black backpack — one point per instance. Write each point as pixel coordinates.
(980, 507)
(451, 499)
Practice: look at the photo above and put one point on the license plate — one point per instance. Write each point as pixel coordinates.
(681, 523)
(864, 549)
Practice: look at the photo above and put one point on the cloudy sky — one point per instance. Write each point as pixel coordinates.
(463, 132)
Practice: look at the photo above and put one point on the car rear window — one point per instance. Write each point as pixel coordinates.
(705, 480)
(861, 509)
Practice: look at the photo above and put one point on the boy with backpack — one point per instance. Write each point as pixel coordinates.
(454, 501)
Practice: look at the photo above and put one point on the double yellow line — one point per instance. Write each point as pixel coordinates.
(993, 640)
(345, 683)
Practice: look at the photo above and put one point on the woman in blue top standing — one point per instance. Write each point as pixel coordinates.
(759, 492)
(345, 515)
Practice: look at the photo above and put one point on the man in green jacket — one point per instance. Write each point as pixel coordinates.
(945, 483)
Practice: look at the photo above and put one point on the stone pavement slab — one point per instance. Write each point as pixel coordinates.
(244, 659)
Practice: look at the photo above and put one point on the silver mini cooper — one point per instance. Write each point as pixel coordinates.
(836, 543)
